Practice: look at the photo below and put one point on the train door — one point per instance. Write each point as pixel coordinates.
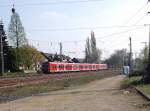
(53, 67)
(75, 67)
(60, 67)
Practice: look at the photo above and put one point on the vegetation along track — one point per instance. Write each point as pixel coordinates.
(21, 81)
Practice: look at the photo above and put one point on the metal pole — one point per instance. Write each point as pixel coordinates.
(147, 69)
(130, 56)
(149, 45)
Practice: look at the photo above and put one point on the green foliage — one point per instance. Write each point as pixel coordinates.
(142, 60)
(145, 88)
(136, 81)
(25, 57)
(13, 60)
(145, 52)
(137, 73)
(116, 59)
(127, 82)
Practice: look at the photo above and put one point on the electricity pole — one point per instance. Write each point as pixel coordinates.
(130, 56)
(60, 45)
(147, 69)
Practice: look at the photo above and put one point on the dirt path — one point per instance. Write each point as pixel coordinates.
(100, 95)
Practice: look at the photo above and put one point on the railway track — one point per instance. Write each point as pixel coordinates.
(21, 81)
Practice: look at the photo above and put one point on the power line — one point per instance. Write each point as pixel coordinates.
(141, 17)
(102, 37)
(54, 3)
(85, 28)
(118, 33)
(136, 13)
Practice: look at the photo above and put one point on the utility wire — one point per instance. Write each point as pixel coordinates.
(85, 28)
(141, 17)
(136, 13)
(102, 37)
(55, 2)
(118, 33)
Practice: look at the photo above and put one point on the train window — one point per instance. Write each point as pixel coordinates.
(75, 66)
(81, 67)
(90, 67)
(60, 66)
(70, 66)
(67, 66)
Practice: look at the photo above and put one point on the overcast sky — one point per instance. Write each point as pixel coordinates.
(48, 22)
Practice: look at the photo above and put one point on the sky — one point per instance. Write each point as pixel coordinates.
(49, 22)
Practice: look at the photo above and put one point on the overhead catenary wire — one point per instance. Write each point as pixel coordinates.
(84, 28)
(111, 45)
(102, 37)
(141, 18)
(133, 16)
(136, 13)
(52, 3)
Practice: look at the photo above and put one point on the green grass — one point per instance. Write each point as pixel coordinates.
(127, 82)
(17, 74)
(136, 81)
(145, 88)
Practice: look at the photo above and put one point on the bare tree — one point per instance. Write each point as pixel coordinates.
(87, 51)
(92, 53)
(16, 33)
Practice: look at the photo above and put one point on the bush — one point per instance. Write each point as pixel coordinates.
(137, 73)
(133, 81)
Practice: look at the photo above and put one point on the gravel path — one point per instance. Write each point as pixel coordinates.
(100, 95)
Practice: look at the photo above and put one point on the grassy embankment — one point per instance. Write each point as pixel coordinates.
(18, 74)
(52, 85)
(136, 81)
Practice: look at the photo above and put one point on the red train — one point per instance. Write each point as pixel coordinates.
(53, 67)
